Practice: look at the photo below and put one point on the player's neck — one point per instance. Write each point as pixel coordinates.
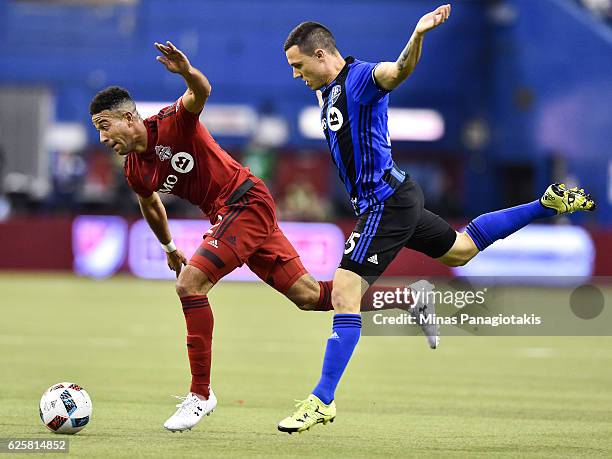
(337, 64)
(141, 139)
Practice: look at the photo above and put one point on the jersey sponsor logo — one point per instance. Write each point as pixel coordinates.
(335, 93)
(168, 184)
(373, 259)
(334, 119)
(163, 153)
(182, 162)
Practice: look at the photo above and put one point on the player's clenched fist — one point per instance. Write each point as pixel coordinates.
(173, 58)
(433, 19)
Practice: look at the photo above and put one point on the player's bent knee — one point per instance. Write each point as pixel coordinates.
(192, 281)
(459, 261)
(347, 292)
(462, 251)
(345, 303)
(454, 260)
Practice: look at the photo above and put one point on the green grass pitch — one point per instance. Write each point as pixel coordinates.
(123, 340)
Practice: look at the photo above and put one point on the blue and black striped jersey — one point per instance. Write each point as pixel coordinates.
(354, 120)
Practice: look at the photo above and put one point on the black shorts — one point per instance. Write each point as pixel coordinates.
(401, 221)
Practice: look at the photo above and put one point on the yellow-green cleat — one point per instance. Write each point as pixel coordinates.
(310, 412)
(567, 200)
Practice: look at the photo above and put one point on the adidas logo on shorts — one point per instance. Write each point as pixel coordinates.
(373, 259)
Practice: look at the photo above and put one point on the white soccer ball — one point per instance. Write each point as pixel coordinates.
(65, 408)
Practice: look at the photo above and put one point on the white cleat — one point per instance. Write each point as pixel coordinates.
(190, 411)
(423, 311)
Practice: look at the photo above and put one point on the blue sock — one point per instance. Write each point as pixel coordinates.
(488, 228)
(340, 345)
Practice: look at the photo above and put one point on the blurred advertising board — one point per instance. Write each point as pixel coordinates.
(320, 246)
(99, 245)
(538, 255)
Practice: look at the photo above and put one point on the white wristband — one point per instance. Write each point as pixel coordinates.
(169, 247)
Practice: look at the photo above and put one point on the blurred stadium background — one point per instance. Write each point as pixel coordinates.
(509, 96)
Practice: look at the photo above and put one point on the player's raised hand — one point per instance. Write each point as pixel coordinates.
(173, 58)
(176, 261)
(433, 19)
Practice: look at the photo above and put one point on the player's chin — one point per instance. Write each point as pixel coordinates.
(120, 150)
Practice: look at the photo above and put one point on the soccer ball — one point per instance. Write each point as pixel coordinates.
(65, 408)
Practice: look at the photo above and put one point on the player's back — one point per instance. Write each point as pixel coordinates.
(183, 159)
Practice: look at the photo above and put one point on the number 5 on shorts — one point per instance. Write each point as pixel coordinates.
(350, 243)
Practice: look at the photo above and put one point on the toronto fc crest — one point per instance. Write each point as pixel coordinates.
(164, 153)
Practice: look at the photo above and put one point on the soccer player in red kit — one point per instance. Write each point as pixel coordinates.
(172, 152)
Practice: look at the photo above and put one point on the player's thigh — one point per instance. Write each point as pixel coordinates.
(433, 235)
(278, 264)
(382, 232)
(241, 230)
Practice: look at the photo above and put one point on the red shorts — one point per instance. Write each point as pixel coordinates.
(247, 231)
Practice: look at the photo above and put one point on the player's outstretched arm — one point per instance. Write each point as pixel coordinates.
(389, 75)
(198, 87)
(154, 213)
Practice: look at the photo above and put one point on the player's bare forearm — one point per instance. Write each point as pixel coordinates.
(154, 213)
(198, 90)
(198, 87)
(389, 75)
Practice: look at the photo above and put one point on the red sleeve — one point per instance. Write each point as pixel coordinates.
(184, 118)
(137, 186)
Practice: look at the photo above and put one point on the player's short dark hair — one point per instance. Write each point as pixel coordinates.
(109, 99)
(309, 36)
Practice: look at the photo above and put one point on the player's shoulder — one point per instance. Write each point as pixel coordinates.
(358, 64)
(358, 70)
(166, 112)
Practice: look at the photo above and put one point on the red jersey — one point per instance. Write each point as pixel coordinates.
(183, 159)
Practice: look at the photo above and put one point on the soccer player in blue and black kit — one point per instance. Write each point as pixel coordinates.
(354, 97)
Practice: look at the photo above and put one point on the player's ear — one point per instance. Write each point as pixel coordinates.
(129, 117)
(319, 54)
